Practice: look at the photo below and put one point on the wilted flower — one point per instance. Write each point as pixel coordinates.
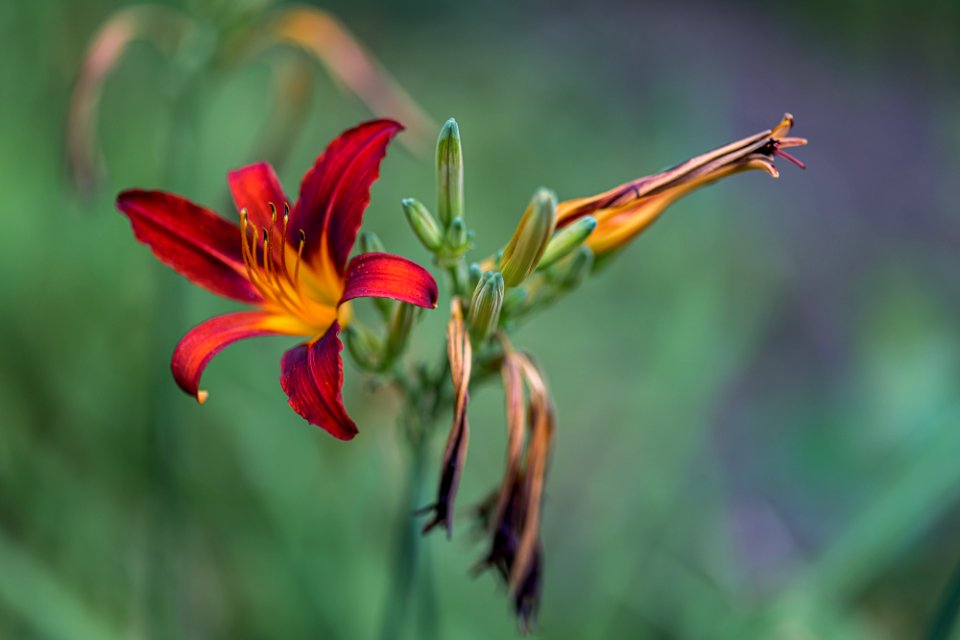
(512, 515)
(460, 357)
(627, 210)
(293, 264)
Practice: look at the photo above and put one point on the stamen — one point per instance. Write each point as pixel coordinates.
(777, 151)
(283, 247)
(266, 255)
(296, 268)
(772, 148)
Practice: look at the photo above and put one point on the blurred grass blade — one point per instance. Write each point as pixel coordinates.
(916, 498)
(293, 86)
(323, 36)
(36, 595)
(948, 610)
(160, 24)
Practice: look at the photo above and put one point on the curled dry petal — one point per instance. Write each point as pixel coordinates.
(324, 37)
(513, 515)
(460, 357)
(542, 420)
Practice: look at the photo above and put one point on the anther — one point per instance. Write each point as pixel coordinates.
(296, 268)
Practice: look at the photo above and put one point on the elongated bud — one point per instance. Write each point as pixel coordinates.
(567, 240)
(530, 239)
(363, 346)
(569, 272)
(371, 243)
(485, 306)
(449, 173)
(398, 331)
(423, 224)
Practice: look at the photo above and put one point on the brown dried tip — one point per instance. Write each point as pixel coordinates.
(460, 357)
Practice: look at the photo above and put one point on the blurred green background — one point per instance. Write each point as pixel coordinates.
(759, 419)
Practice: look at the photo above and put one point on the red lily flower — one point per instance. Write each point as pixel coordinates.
(293, 266)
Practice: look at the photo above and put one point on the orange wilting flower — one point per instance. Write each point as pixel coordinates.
(460, 357)
(627, 210)
(512, 514)
(293, 266)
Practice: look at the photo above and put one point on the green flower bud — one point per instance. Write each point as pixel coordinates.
(567, 240)
(370, 243)
(398, 330)
(449, 173)
(485, 306)
(530, 239)
(363, 346)
(457, 237)
(474, 274)
(424, 226)
(569, 272)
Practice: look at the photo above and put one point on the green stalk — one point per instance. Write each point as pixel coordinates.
(948, 611)
(164, 546)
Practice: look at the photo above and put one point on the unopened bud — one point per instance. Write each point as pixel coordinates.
(569, 272)
(398, 330)
(485, 306)
(530, 239)
(567, 240)
(457, 237)
(370, 243)
(449, 173)
(421, 221)
(363, 346)
(474, 273)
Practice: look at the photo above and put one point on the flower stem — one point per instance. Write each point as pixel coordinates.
(948, 610)
(410, 569)
(163, 566)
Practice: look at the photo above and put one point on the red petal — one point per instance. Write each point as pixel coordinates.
(253, 188)
(206, 339)
(336, 190)
(192, 240)
(311, 376)
(384, 275)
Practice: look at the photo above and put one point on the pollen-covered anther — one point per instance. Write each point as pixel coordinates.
(264, 251)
